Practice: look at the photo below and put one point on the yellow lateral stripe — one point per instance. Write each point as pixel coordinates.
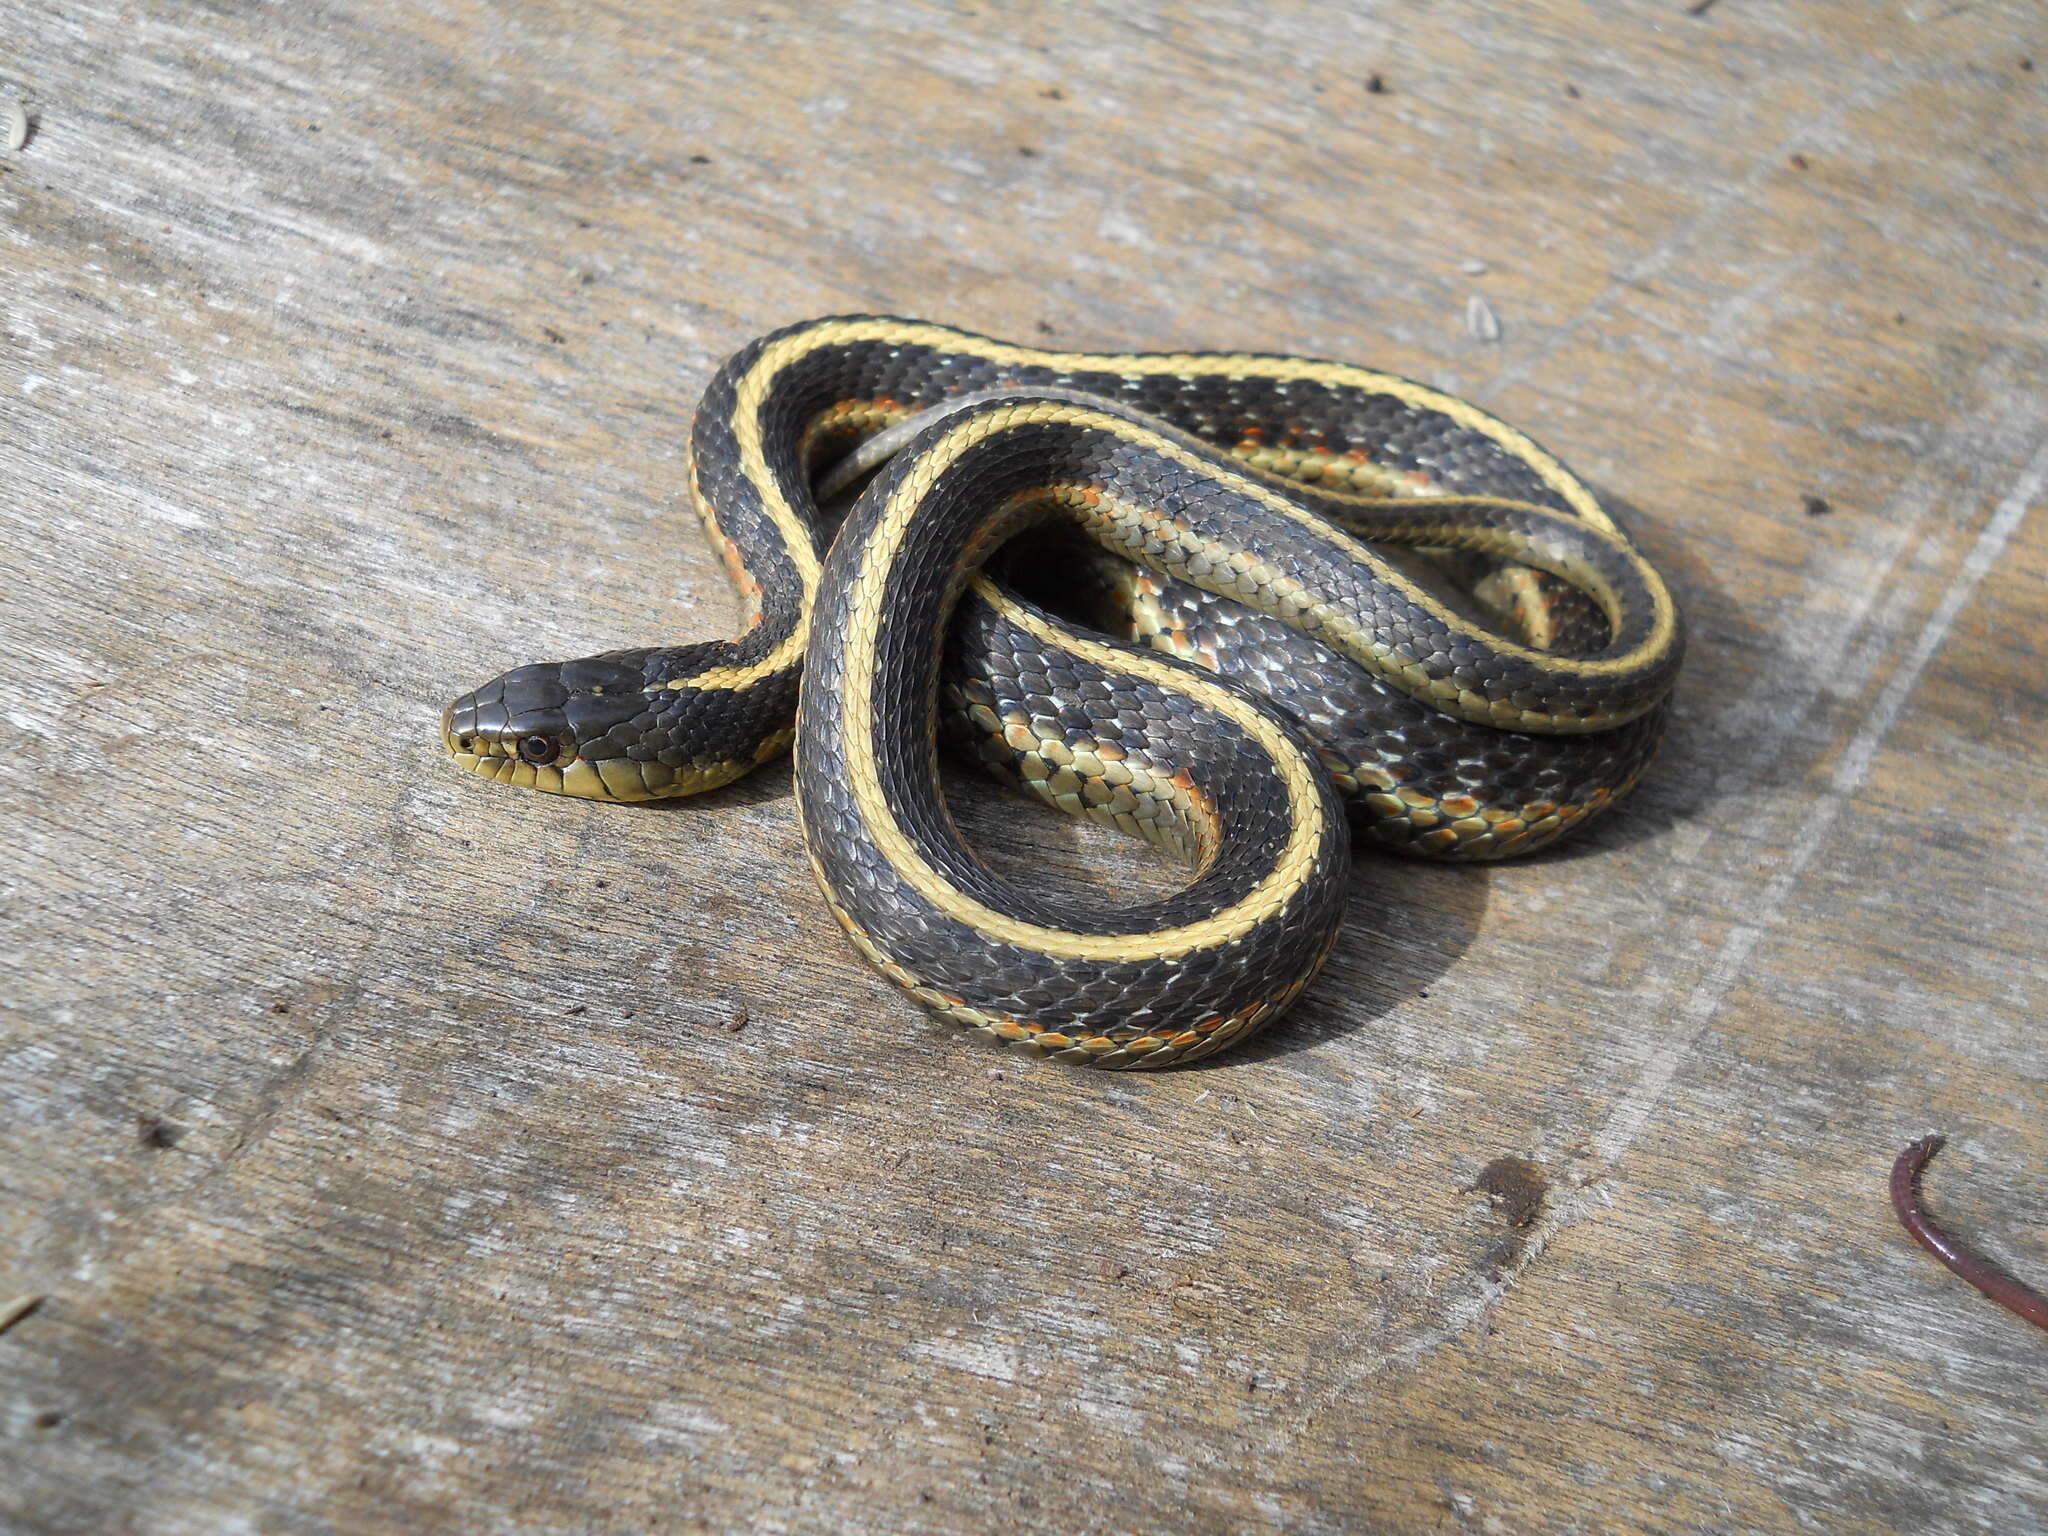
(786, 654)
(754, 387)
(1290, 870)
(749, 394)
(1221, 364)
(1665, 612)
(751, 391)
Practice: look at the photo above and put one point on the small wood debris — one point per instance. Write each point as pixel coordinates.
(14, 125)
(1480, 321)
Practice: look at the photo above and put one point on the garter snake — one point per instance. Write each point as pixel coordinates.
(1225, 477)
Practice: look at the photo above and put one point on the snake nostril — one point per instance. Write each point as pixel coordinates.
(463, 743)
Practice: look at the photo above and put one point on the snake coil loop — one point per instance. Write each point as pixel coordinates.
(1271, 536)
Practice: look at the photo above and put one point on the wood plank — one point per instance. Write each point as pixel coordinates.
(383, 1145)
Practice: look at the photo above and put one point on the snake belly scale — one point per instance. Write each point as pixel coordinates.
(1282, 673)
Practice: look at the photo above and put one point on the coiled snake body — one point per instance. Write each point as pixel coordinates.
(1277, 673)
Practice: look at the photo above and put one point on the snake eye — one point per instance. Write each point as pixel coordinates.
(539, 749)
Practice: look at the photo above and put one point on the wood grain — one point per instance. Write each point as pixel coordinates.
(387, 1148)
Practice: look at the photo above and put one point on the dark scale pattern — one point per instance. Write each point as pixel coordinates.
(1413, 779)
(1185, 511)
(1223, 408)
(629, 724)
(1160, 736)
(739, 727)
(1304, 413)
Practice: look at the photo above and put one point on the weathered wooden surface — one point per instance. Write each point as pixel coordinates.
(379, 1140)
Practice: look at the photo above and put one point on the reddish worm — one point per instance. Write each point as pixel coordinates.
(1995, 1283)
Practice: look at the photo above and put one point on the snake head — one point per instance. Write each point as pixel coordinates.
(607, 727)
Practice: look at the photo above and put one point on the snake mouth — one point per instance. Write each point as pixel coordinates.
(499, 760)
(479, 744)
